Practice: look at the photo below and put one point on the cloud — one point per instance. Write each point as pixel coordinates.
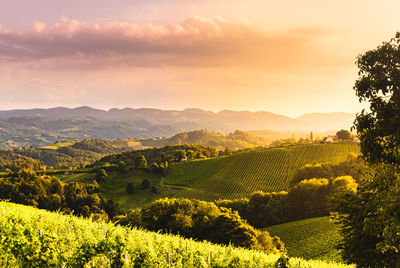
(194, 42)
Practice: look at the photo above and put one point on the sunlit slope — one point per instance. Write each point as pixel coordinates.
(241, 174)
(314, 238)
(31, 237)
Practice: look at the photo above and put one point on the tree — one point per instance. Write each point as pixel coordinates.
(343, 134)
(180, 155)
(153, 189)
(130, 189)
(379, 84)
(102, 174)
(370, 218)
(141, 162)
(145, 184)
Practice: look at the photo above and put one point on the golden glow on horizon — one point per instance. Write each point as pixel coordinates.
(288, 57)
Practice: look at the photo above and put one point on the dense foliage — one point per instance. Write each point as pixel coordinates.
(11, 161)
(370, 219)
(49, 193)
(344, 135)
(379, 84)
(308, 199)
(353, 166)
(164, 154)
(201, 220)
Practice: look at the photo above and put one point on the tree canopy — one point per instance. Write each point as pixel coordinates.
(370, 218)
(379, 85)
(201, 220)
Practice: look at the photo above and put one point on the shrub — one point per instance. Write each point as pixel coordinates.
(153, 190)
(130, 188)
(201, 220)
(145, 184)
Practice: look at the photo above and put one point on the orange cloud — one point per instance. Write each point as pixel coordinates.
(194, 42)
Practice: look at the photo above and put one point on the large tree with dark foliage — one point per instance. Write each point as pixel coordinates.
(370, 218)
(379, 84)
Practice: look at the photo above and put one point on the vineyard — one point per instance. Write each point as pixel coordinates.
(313, 238)
(36, 238)
(239, 175)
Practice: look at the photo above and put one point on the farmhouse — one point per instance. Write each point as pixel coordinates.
(330, 139)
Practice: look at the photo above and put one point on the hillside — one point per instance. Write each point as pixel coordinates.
(65, 154)
(310, 239)
(26, 131)
(33, 237)
(234, 140)
(39, 127)
(241, 174)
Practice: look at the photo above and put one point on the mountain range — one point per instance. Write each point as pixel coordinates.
(39, 127)
(189, 119)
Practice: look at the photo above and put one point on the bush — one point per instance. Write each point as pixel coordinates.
(145, 184)
(353, 166)
(130, 188)
(101, 174)
(203, 221)
(141, 162)
(153, 190)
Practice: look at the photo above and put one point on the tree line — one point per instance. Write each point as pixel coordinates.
(309, 198)
(46, 192)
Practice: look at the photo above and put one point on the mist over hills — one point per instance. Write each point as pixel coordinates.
(40, 127)
(190, 119)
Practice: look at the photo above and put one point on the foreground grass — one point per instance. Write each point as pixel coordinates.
(31, 237)
(310, 239)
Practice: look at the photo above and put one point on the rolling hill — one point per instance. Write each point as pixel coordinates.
(234, 140)
(313, 238)
(240, 174)
(37, 238)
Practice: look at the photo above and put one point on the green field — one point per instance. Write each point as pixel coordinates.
(37, 238)
(114, 187)
(309, 239)
(241, 174)
(57, 145)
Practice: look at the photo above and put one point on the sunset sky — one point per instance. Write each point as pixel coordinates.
(288, 57)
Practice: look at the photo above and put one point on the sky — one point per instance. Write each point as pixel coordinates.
(286, 57)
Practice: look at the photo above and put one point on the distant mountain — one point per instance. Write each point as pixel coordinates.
(190, 119)
(40, 127)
